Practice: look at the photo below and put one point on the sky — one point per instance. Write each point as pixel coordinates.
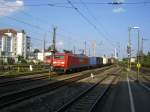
(80, 21)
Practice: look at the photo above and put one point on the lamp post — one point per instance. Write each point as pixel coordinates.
(142, 48)
(129, 50)
(129, 53)
(138, 56)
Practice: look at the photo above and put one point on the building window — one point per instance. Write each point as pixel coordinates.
(8, 44)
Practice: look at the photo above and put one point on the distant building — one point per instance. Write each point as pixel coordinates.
(14, 43)
(133, 59)
(41, 55)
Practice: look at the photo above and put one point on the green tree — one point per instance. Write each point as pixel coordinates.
(50, 49)
(21, 59)
(148, 54)
(10, 60)
(36, 51)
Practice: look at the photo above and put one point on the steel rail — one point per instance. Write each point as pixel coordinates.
(26, 80)
(16, 97)
(72, 101)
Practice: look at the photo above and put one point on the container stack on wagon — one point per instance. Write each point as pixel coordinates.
(95, 62)
(92, 62)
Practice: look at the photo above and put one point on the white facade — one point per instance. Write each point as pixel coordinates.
(133, 60)
(105, 60)
(41, 55)
(6, 45)
(14, 43)
(20, 44)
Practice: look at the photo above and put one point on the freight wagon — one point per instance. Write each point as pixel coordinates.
(95, 62)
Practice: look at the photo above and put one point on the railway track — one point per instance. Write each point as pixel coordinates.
(143, 70)
(88, 99)
(17, 96)
(143, 76)
(22, 80)
(146, 79)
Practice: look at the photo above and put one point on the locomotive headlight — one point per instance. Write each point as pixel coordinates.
(62, 62)
(54, 62)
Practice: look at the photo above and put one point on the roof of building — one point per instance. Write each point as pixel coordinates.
(2, 34)
(9, 30)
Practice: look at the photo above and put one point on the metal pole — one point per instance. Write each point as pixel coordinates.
(74, 49)
(141, 51)
(54, 39)
(129, 54)
(85, 48)
(44, 48)
(89, 52)
(53, 50)
(94, 49)
(138, 56)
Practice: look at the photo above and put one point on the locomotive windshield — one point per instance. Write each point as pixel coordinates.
(59, 57)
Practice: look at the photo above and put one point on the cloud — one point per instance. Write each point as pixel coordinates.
(119, 1)
(9, 6)
(118, 10)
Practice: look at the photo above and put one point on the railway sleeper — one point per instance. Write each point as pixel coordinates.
(86, 101)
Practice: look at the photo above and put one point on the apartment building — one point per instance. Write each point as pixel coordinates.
(14, 43)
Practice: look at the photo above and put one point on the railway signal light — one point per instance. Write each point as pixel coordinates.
(128, 49)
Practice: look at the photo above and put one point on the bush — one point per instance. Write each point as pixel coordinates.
(1, 62)
(22, 60)
(10, 60)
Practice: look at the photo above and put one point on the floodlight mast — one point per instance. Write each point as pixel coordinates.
(129, 53)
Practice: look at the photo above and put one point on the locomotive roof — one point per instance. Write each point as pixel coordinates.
(81, 55)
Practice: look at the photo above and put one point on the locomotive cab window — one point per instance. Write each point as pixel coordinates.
(59, 57)
(48, 57)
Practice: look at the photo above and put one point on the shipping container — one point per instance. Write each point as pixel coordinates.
(105, 60)
(99, 61)
(93, 61)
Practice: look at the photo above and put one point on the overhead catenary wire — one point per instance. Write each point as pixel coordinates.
(36, 18)
(108, 3)
(37, 5)
(43, 21)
(93, 2)
(89, 3)
(32, 32)
(88, 21)
(29, 24)
(30, 15)
(37, 33)
(64, 5)
(24, 22)
(95, 19)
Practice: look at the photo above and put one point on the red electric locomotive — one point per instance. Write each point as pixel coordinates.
(70, 62)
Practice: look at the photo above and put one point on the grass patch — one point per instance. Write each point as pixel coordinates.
(16, 74)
